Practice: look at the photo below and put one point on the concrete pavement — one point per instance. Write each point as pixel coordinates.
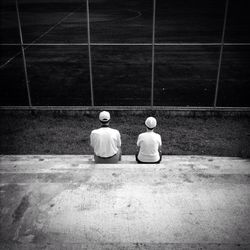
(68, 202)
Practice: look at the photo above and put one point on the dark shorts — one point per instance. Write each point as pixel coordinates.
(141, 162)
(112, 159)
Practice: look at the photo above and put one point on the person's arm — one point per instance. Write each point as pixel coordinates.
(160, 145)
(119, 142)
(159, 150)
(138, 143)
(119, 145)
(92, 140)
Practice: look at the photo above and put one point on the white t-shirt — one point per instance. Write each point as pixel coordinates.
(105, 141)
(149, 143)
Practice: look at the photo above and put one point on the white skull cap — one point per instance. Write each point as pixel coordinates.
(104, 116)
(151, 122)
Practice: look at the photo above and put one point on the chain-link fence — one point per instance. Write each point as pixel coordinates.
(125, 53)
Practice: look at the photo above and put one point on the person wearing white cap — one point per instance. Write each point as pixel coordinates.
(106, 141)
(149, 144)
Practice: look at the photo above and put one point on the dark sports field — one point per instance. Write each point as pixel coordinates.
(184, 75)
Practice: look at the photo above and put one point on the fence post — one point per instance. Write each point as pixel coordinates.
(23, 55)
(153, 55)
(90, 60)
(221, 53)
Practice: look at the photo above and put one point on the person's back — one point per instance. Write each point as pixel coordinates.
(106, 141)
(149, 144)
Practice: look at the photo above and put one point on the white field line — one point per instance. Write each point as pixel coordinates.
(38, 38)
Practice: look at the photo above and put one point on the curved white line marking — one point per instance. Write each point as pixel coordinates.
(137, 14)
(135, 11)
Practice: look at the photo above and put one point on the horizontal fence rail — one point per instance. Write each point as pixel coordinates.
(125, 44)
(126, 108)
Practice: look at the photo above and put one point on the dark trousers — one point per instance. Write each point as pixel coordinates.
(113, 159)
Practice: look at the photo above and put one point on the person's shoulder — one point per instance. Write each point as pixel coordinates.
(142, 134)
(114, 130)
(155, 133)
(158, 135)
(95, 131)
(141, 137)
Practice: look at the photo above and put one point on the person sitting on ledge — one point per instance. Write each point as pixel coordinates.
(149, 144)
(106, 141)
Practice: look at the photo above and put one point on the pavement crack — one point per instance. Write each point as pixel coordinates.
(20, 210)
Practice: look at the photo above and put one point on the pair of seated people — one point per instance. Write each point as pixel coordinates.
(106, 142)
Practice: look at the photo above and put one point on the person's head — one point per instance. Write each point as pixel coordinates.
(104, 117)
(150, 123)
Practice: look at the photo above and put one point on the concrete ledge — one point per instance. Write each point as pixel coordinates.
(165, 110)
(54, 163)
(68, 202)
